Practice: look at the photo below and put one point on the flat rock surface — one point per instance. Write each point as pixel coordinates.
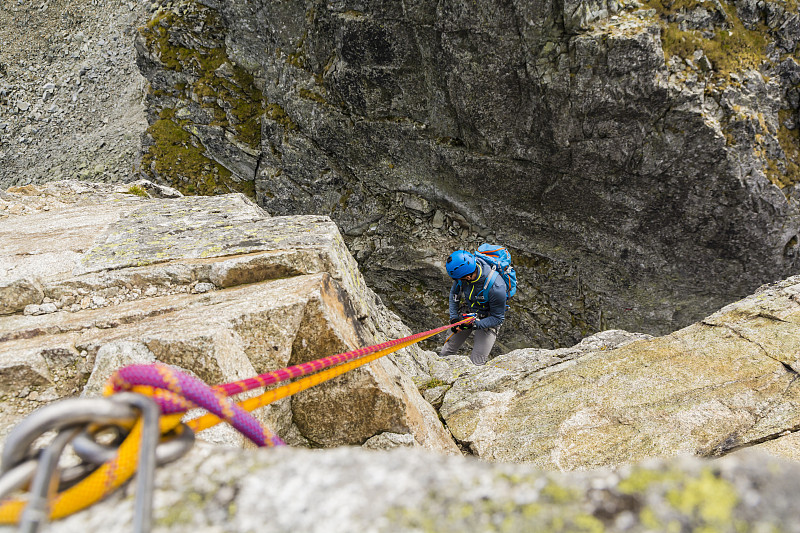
(104, 277)
(408, 490)
(727, 382)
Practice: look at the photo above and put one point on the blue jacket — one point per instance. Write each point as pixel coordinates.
(490, 304)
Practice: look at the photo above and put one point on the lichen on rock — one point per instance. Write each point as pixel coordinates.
(212, 89)
(212, 285)
(593, 139)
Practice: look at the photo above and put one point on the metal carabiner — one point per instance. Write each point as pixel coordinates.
(57, 416)
(145, 477)
(69, 417)
(45, 482)
(17, 477)
(170, 448)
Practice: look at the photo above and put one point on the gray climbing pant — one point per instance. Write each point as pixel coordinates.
(481, 344)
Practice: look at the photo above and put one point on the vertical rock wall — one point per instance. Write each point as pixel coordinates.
(640, 177)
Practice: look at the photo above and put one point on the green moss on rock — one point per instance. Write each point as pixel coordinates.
(432, 384)
(786, 173)
(732, 48)
(299, 58)
(221, 87)
(179, 157)
(311, 95)
(278, 114)
(136, 190)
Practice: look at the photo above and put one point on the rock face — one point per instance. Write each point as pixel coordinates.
(727, 382)
(636, 160)
(347, 489)
(70, 93)
(94, 279)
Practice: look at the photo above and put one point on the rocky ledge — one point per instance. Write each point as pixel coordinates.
(408, 490)
(722, 384)
(93, 278)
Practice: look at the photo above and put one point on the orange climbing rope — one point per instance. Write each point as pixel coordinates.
(176, 392)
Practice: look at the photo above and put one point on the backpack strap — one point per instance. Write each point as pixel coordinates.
(493, 253)
(490, 278)
(483, 294)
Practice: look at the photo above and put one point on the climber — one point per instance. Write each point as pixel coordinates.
(479, 290)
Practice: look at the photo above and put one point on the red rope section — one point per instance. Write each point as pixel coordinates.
(175, 391)
(127, 377)
(269, 378)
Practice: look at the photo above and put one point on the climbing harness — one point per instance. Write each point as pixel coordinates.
(142, 411)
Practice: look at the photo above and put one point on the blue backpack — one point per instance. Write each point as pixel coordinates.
(499, 258)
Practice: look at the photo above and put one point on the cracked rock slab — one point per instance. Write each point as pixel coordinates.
(719, 385)
(410, 490)
(212, 285)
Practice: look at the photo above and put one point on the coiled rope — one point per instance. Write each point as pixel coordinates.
(176, 392)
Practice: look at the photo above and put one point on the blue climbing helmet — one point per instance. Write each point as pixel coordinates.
(460, 263)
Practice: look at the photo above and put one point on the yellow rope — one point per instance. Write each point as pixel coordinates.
(107, 478)
(112, 474)
(209, 420)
